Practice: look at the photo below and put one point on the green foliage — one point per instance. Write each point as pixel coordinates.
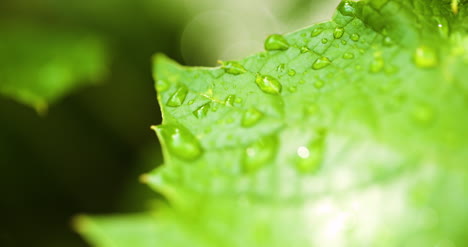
(39, 65)
(350, 132)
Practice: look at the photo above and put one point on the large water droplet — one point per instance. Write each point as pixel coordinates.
(321, 63)
(309, 157)
(355, 37)
(162, 85)
(251, 117)
(425, 57)
(316, 32)
(259, 153)
(268, 84)
(202, 111)
(179, 142)
(233, 68)
(338, 33)
(230, 100)
(276, 42)
(347, 8)
(178, 98)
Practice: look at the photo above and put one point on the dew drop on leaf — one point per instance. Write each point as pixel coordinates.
(291, 72)
(347, 8)
(259, 153)
(180, 142)
(304, 49)
(425, 57)
(281, 67)
(377, 65)
(309, 157)
(233, 68)
(344, 42)
(202, 111)
(162, 85)
(321, 63)
(251, 117)
(316, 32)
(276, 42)
(387, 41)
(178, 98)
(338, 33)
(230, 100)
(190, 102)
(348, 55)
(355, 37)
(319, 84)
(324, 41)
(268, 84)
(292, 89)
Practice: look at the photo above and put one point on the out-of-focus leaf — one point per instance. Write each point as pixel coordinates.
(39, 65)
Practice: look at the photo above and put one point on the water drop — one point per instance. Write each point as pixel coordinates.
(251, 117)
(202, 111)
(259, 153)
(281, 67)
(179, 142)
(338, 33)
(311, 109)
(319, 84)
(309, 157)
(387, 41)
(304, 49)
(423, 114)
(377, 65)
(301, 82)
(292, 89)
(233, 68)
(324, 41)
(347, 8)
(238, 100)
(316, 32)
(178, 98)
(230, 100)
(276, 42)
(425, 57)
(268, 84)
(190, 102)
(321, 63)
(344, 42)
(291, 72)
(355, 37)
(348, 55)
(162, 85)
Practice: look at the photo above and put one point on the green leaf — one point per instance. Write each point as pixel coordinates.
(353, 135)
(39, 65)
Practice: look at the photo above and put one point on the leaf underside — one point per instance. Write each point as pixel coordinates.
(350, 132)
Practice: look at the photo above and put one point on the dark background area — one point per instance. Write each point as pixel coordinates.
(86, 153)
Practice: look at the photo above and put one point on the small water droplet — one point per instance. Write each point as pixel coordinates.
(251, 117)
(162, 85)
(355, 37)
(179, 142)
(344, 42)
(347, 8)
(309, 157)
(268, 84)
(321, 63)
(276, 42)
(377, 64)
(387, 41)
(234, 68)
(202, 111)
(230, 100)
(238, 100)
(178, 98)
(292, 89)
(324, 41)
(425, 57)
(259, 153)
(304, 49)
(338, 33)
(281, 67)
(423, 114)
(291, 72)
(311, 109)
(319, 84)
(316, 32)
(190, 102)
(348, 55)
(301, 82)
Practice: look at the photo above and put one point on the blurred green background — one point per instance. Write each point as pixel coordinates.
(84, 153)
